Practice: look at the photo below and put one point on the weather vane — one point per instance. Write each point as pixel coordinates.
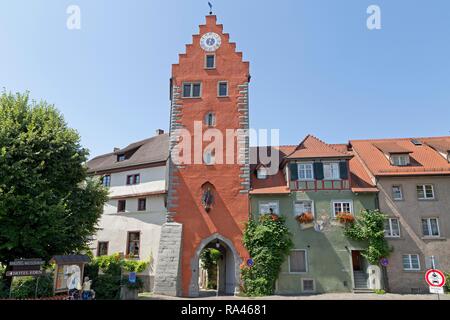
(210, 8)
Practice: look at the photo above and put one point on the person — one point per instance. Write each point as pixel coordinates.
(87, 293)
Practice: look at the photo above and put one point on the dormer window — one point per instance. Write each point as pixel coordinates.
(448, 156)
(262, 173)
(400, 160)
(121, 157)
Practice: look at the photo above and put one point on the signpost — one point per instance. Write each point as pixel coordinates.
(435, 279)
(250, 262)
(25, 268)
(384, 262)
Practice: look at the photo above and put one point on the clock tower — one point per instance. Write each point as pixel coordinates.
(209, 168)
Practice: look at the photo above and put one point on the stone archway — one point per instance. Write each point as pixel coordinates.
(232, 266)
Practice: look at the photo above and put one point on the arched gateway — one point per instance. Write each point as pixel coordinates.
(207, 189)
(228, 266)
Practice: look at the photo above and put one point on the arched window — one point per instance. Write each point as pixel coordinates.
(210, 119)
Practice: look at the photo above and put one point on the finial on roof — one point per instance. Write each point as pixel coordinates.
(210, 8)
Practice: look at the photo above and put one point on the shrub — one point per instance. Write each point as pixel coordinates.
(107, 287)
(268, 242)
(447, 282)
(379, 291)
(369, 227)
(25, 287)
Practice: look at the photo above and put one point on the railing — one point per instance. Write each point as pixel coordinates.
(319, 185)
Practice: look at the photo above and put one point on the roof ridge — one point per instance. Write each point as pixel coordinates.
(327, 144)
(398, 139)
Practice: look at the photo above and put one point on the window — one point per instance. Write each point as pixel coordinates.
(106, 181)
(262, 173)
(301, 207)
(308, 285)
(133, 179)
(121, 157)
(397, 193)
(223, 89)
(425, 192)
(297, 261)
(430, 227)
(121, 205)
(210, 61)
(331, 171)
(268, 207)
(102, 248)
(411, 262)
(392, 228)
(305, 171)
(209, 157)
(210, 119)
(342, 206)
(192, 90)
(133, 244)
(142, 204)
(400, 159)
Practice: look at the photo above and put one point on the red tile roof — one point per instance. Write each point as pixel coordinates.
(424, 159)
(312, 147)
(391, 147)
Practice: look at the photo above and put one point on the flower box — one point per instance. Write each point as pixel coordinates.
(305, 218)
(345, 217)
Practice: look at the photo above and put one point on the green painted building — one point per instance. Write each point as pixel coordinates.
(317, 186)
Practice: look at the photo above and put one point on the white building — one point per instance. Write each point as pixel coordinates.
(136, 210)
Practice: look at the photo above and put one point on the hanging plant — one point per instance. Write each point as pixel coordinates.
(345, 217)
(305, 218)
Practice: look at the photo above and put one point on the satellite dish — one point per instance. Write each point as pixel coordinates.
(74, 277)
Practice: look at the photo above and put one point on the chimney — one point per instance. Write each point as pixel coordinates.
(159, 132)
(116, 149)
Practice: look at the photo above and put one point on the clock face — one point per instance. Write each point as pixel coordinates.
(210, 41)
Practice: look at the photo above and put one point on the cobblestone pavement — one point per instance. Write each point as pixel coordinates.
(327, 296)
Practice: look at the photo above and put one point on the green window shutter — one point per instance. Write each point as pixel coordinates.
(318, 171)
(293, 171)
(343, 170)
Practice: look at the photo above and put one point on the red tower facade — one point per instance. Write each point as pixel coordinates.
(208, 201)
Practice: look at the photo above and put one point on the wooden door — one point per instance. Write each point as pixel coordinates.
(356, 259)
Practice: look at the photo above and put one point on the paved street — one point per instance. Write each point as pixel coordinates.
(328, 296)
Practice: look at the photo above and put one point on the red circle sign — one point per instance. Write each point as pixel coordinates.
(435, 278)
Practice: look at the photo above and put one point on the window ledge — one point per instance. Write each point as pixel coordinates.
(434, 238)
(394, 238)
(412, 271)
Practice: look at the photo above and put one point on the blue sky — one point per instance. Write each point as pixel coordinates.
(315, 66)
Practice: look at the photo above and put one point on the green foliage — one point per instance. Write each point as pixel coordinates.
(25, 287)
(369, 227)
(380, 291)
(209, 258)
(48, 205)
(135, 266)
(106, 273)
(107, 287)
(268, 242)
(447, 282)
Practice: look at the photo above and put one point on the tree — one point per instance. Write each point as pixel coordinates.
(48, 204)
